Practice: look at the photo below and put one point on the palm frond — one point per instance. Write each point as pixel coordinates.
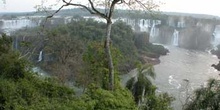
(130, 83)
(148, 70)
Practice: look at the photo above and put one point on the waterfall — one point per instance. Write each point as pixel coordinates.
(40, 57)
(216, 36)
(144, 25)
(67, 20)
(181, 24)
(15, 24)
(16, 43)
(176, 38)
(152, 31)
(39, 22)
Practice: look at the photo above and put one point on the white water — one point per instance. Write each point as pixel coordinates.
(181, 65)
(67, 20)
(40, 57)
(144, 24)
(181, 24)
(172, 81)
(152, 31)
(13, 25)
(15, 43)
(176, 38)
(40, 72)
(216, 36)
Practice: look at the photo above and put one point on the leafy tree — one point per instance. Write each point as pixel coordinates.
(64, 54)
(140, 84)
(120, 99)
(144, 91)
(11, 65)
(206, 98)
(107, 14)
(20, 88)
(96, 66)
(217, 53)
(157, 102)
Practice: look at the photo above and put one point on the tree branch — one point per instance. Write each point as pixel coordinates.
(93, 11)
(96, 11)
(149, 6)
(112, 7)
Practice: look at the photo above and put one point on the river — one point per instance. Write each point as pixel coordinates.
(179, 67)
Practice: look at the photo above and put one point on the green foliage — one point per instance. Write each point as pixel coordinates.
(22, 89)
(120, 99)
(5, 42)
(157, 102)
(144, 91)
(65, 54)
(206, 98)
(146, 48)
(96, 65)
(141, 84)
(80, 32)
(217, 53)
(123, 39)
(153, 51)
(11, 66)
(157, 49)
(87, 29)
(32, 92)
(68, 45)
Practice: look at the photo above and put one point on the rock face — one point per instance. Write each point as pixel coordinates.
(195, 38)
(192, 33)
(182, 31)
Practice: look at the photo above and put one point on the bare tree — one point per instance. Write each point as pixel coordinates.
(92, 6)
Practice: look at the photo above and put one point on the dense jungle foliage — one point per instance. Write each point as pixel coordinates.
(71, 53)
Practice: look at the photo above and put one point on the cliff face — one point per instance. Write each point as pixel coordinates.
(197, 34)
(182, 31)
(195, 38)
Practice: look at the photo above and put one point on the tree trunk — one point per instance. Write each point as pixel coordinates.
(143, 94)
(141, 100)
(109, 56)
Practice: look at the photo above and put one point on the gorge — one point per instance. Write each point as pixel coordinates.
(174, 32)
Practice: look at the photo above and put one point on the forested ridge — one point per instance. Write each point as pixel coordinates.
(74, 53)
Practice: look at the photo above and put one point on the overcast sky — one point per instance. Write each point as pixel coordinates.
(211, 7)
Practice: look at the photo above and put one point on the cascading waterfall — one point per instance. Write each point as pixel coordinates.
(216, 36)
(152, 31)
(13, 25)
(16, 43)
(39, 22)
(17, 24)
(181, 24)
(176, 38)
(40, 57)
(67, 20)
(144, 24)
(131, 23)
